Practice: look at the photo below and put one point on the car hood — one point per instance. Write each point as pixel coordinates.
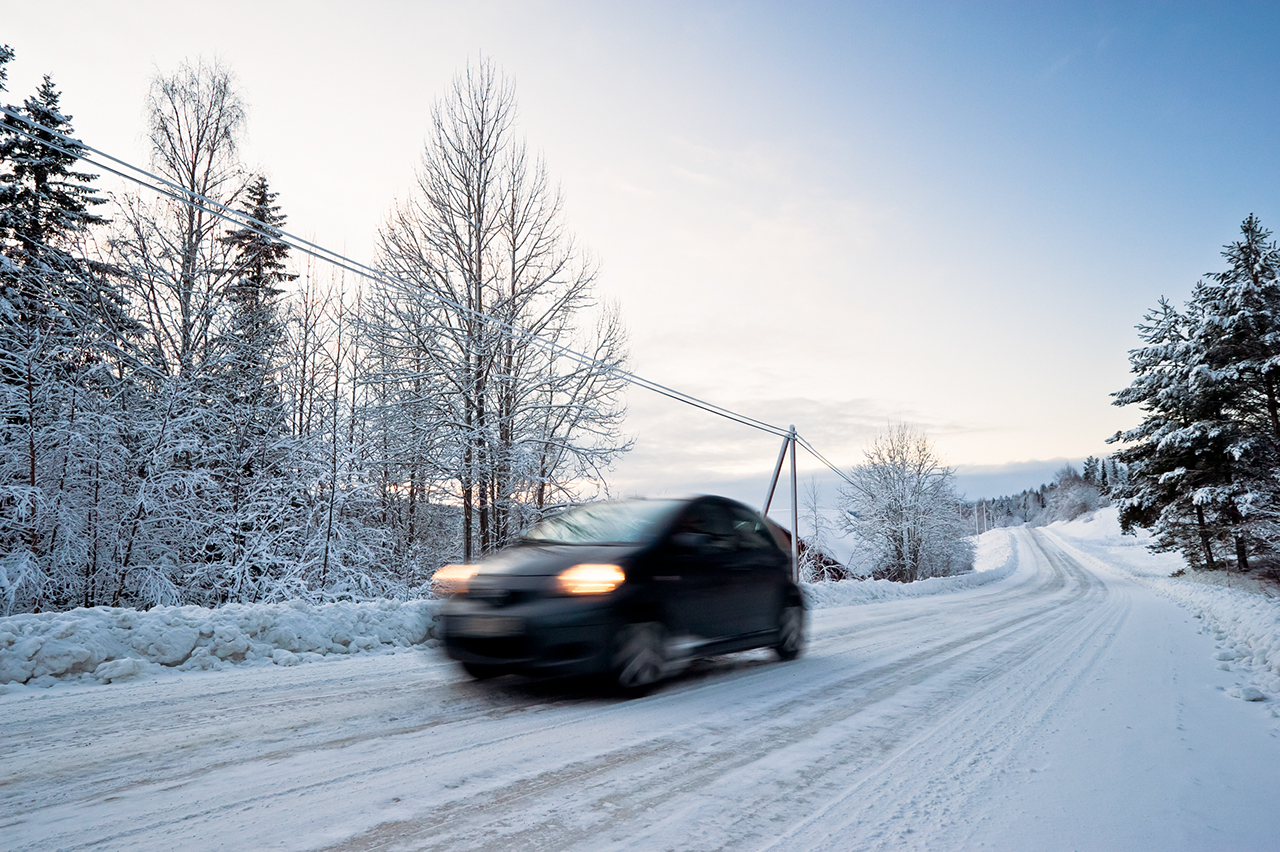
(534, 560)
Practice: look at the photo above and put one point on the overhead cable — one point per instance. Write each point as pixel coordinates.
(149, 180)
(181, 195)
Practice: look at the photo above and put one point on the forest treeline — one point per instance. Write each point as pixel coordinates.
(1071, 494)
(191, 413)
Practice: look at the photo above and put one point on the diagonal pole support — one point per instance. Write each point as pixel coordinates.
(777, 469)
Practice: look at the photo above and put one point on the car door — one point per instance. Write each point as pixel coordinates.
(703, 594)
(761, 569)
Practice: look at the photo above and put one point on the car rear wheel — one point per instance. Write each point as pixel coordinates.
(639, 657)
(790, 633)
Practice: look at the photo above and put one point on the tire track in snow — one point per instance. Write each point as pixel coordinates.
(956, 755)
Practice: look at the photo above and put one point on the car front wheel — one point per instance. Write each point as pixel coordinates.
(639, 657)
(790, 633)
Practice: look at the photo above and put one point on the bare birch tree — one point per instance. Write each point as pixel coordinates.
(172, 248)
(478, 262)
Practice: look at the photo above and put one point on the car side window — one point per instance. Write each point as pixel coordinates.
(749, 531)
(709, 520)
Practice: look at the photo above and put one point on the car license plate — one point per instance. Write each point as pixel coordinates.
(488, 625)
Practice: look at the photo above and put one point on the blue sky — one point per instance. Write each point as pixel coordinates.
(837, 215)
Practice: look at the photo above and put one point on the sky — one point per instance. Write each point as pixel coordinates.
(833, 215)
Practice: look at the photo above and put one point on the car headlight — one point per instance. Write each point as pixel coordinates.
(590, 579)
(452, 579)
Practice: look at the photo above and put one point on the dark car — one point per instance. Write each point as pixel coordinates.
(633, 589)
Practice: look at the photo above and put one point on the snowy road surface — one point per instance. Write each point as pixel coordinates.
(1065, 707)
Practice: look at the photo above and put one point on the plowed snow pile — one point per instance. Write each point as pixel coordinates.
(105, 644)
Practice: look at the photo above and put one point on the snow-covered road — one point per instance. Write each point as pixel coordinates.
(1064, 707)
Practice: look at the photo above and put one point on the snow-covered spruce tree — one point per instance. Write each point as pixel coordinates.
(61, 321)
(1237, 343)
(1201, 466)
(903, 511)
(1166, 451)
(468, 409)
(262, 499)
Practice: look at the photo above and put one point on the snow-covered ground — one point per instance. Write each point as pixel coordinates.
(1067, 696)
(1244, 621)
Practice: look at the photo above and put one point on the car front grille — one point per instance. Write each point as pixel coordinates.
(497, 596)
(498, 647)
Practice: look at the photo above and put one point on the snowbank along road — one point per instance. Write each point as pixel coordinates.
(1064, 706)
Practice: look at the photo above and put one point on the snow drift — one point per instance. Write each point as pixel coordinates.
(994, 559)
(105, 644)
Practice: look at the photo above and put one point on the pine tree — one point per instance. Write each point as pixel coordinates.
(1239, 339)
(257, 541)
(62, 328)
(255, 330)
(46, 209)
(6, 56)
(1089, 471)
(1163, 450)
(1201, 465)
(1237, 350)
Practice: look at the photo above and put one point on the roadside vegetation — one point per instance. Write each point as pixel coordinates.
(189, 415)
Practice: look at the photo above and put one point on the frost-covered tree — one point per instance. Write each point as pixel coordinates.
(172, 250)
(469, 408)
(903, 511)
(1166, 452)
(180, 272)
(6, 56)
(1202, 464)
(61, 353)
(256, 468)
(1073, 494)
(816, 563)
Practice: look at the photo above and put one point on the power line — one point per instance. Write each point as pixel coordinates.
(149, 180)
(170, 190)
(820, 457)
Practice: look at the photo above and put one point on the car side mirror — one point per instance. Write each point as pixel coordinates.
(690, 541)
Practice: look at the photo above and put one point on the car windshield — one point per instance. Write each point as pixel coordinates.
(623, 522)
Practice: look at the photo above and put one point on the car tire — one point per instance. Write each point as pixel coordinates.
(790, 633)
(639, 657)
(482, 671)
